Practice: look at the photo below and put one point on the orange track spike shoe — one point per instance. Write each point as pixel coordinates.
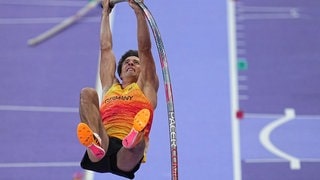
(90, 140)
(140, 121)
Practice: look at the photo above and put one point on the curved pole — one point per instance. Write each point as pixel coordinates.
(168, 90)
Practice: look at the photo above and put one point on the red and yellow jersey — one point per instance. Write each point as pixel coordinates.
(120, 105)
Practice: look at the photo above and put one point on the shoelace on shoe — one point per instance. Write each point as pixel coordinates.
(96, 139)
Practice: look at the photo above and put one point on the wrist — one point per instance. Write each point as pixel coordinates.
(105, 12)
(138, 12)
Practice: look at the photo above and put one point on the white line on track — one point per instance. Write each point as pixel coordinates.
(51, 20)
(235, 129)
(38, 108)
(42, 3)
(275, 116)
(39, 164)
(266, 141)
(279, 160)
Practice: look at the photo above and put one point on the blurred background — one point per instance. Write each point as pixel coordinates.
(244, 73)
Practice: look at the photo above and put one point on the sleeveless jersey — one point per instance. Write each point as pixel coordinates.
(118, 108)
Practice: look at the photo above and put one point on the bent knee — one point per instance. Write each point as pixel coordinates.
(88, 94)
(87, 90)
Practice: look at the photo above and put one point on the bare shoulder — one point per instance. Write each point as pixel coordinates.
(106, 88)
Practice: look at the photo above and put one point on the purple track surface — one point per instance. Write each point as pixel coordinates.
(278, 54)
(40, 91)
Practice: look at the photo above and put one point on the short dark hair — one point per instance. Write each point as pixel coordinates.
(124, 57)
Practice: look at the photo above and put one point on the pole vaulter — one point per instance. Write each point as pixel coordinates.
(163, 60)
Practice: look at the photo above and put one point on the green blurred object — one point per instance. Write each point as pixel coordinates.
(242, 64)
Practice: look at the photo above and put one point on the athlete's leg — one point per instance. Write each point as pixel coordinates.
(134, 143)
(90, 115)
(127, 159)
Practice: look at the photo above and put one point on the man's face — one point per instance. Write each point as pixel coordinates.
(130, 67)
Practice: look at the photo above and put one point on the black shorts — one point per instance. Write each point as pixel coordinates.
(109, 162)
